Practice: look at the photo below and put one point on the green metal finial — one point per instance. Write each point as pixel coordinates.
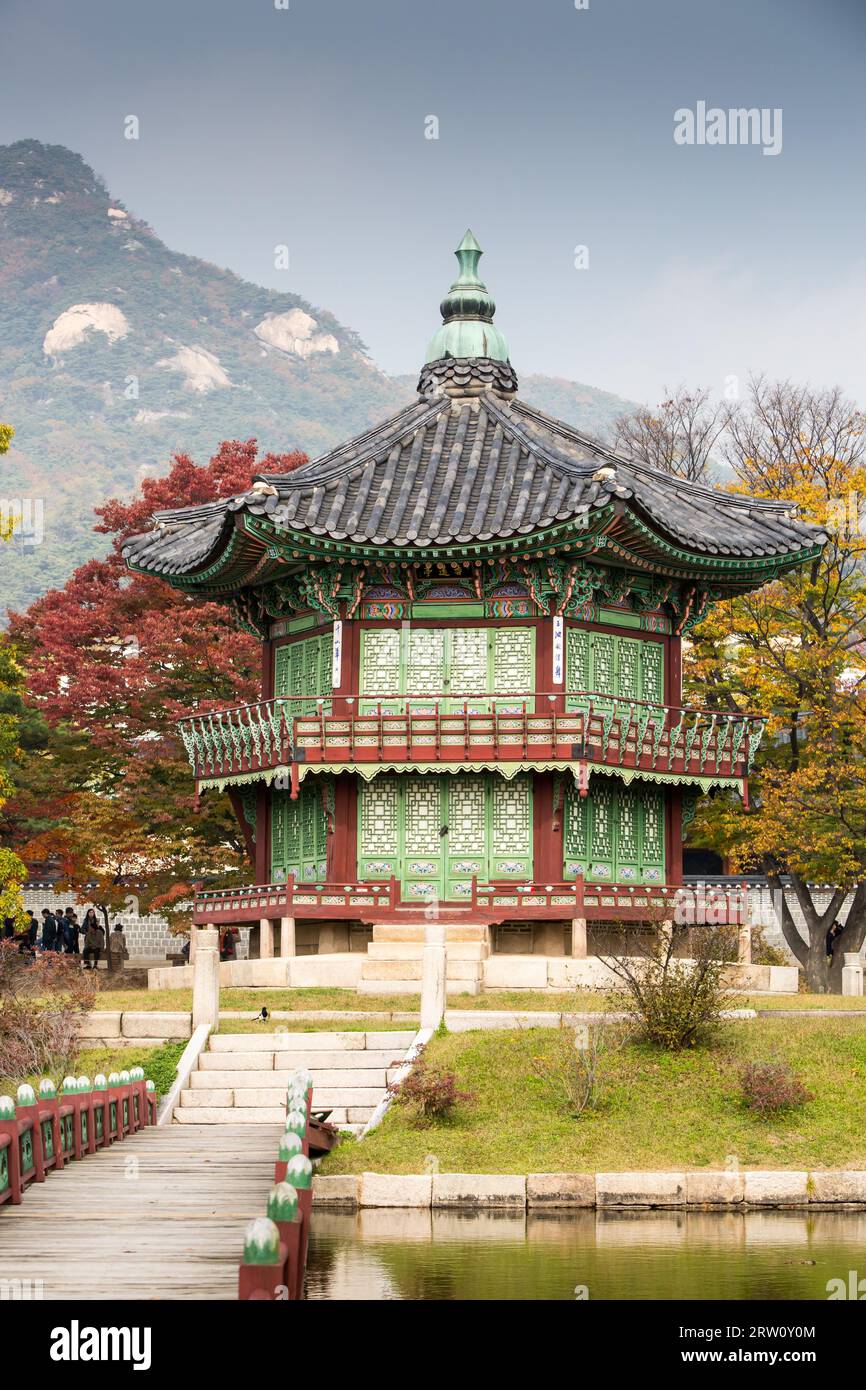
(467, 313)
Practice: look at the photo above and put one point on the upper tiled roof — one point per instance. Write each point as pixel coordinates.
(457, 468)
(469, 463)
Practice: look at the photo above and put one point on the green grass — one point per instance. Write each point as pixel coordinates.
(306, 1025)
(659, 1110)
(180, 1000)
(583, 1001)
(159, 1064)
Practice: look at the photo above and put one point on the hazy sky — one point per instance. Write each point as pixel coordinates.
(306, 126)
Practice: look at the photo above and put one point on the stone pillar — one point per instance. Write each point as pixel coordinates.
(852, 974)
(433, 958)
(744, 946)
(578, 938)
(326, 941)
(206, 978)
(266, 938)
(287, 936)
(193, 938)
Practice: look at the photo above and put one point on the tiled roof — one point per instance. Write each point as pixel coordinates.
(471, 462)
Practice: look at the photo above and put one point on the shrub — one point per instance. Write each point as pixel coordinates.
(772, 1087)
(676, 1001)
(574, 1065)
(428, 1092)
(764, 953)
(42, 1002)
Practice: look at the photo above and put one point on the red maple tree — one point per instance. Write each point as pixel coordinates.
(112, 660)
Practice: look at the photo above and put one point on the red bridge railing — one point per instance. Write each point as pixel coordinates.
(42, 1133)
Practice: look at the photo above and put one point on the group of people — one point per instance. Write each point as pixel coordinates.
(60, 931)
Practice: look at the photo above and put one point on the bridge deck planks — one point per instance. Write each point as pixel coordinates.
(161, 1215)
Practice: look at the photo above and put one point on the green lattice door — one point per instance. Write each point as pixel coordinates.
(299, 833)
(303, 669)
(615, 834)
(459, 665)
(628, 667)
(436, 833)
(424, 819)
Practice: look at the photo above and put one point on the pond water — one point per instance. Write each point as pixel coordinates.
(424, 1255)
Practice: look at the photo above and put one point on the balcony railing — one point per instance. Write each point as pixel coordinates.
(452, 729)
(696, 904)
(294, 899)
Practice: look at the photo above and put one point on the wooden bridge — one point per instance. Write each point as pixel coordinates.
(160, 1216)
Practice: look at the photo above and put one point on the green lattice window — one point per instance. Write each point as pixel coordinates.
(303, 669)
(299, 832)
(435, 833)
(458, 664)
(629, 667)
(616, 834)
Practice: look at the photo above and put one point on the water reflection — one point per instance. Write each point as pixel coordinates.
(422, 1255)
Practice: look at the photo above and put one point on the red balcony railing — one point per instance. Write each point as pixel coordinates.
(502, 728)
(492, 902)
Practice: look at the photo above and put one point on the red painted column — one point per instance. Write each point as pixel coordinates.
(345, 855)
(267, 670)
(263, 835)
(546, 832)
(674, 671)
(674, 835)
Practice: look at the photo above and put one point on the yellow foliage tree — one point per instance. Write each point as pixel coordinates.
(795, 651)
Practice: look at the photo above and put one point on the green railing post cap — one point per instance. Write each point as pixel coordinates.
(99, 1081)
(47, 1089)
(26, 1094)
(283, 1202)
(290, 1144)
(7, 1108)
(296, 1122)
(262, 1242)
(299, 1172)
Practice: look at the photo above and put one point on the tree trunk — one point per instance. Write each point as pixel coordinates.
(851, 939)
(811, 953)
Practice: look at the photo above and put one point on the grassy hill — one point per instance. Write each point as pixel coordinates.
(116, 351)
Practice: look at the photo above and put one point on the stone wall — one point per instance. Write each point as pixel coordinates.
(147, 937)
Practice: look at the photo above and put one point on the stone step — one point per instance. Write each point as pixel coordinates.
(411, 969)
(309, 1042)
(417, 932)
(411, 950)
(340, 1093)
(268, 1075)
(268, 1115)
(452, 986)
(273, 1080)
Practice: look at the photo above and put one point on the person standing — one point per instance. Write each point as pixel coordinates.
(94, 941)
(32, 927)
(72, 930)
(49, 930)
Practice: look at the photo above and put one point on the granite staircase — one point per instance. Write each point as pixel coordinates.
(242, 1077)
(393, 961)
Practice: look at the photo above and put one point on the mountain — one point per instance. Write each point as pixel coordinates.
(116, 351)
